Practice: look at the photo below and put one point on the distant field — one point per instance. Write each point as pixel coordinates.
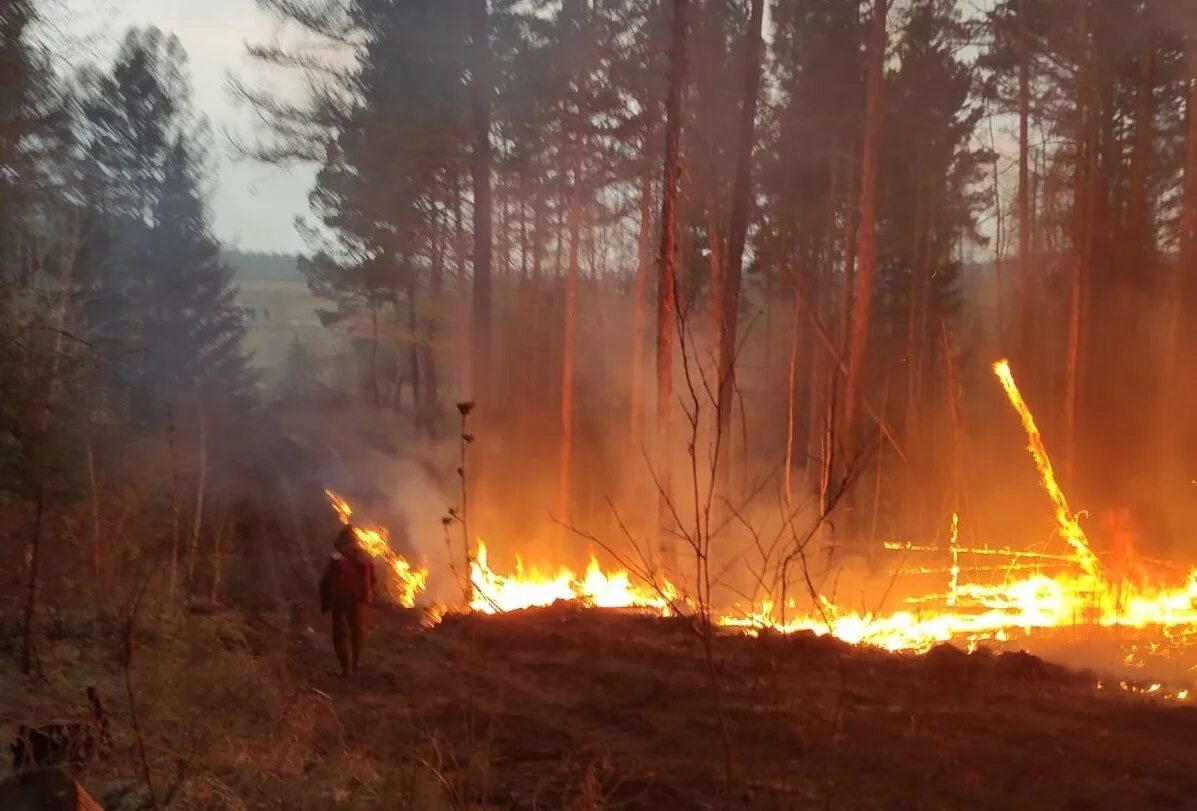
(280, 311)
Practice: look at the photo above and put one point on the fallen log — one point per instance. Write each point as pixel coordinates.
(44, 790)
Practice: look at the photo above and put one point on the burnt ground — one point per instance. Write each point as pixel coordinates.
(596, 709)
(584, 710)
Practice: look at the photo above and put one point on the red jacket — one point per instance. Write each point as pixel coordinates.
(348, 579)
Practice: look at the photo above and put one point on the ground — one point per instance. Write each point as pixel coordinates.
(587, 709)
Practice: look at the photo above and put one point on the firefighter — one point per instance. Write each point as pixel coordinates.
(346, 588)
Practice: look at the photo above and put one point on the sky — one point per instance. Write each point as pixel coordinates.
(253, 206)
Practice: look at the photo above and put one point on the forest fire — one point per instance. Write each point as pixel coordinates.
(495, 593)
(403, 581)
(977, 612)
(968, 613)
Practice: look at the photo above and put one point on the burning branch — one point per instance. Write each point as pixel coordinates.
(1070, 527)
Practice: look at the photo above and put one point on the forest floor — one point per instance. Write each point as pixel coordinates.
(590, 709)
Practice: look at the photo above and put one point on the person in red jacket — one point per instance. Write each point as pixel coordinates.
(346, 588)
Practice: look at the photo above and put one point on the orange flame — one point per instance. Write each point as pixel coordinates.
(969, 613)
(404, 581)
(495, 593)
(1070, 527)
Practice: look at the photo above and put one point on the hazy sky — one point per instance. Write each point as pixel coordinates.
(253, 206)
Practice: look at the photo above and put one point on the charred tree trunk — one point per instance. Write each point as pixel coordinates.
(480, 86)
(863, 298)
(96, 540)
(35, 557)
(738, 228)
(667, 282)
(640, 317)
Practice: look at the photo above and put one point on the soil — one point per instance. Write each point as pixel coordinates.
(581, 708)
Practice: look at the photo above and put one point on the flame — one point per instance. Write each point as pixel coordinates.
(977, 612)
(495, 593)
(969, 613)
(1069, 526)
(954, 546)
(404, 581)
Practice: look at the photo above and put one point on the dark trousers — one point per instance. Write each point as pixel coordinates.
(348, 629)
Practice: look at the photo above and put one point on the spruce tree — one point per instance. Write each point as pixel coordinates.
(166, 304)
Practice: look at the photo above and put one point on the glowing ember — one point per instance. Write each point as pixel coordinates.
(404, 581)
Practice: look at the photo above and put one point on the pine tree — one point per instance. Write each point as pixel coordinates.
(167, 303)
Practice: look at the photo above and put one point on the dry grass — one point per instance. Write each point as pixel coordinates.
(589, 710)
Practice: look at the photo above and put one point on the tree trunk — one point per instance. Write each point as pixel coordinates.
(375, 390)
(791, 403)
(174, 512)
(849, 260)
(715, 259)
(35, 556)
(999, 245)
(1024, 182)
(96, 541)
(1183, 330)
(200, 489)
(863, 298)
(1188, 232)
(667, 282)
(436, 293)
(217, 551)
(640, 317)
(1138, 212)
(1081, 225)
(568, 363)
(914, 319)
(413, 329)
(738, 228)
(480, 86)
